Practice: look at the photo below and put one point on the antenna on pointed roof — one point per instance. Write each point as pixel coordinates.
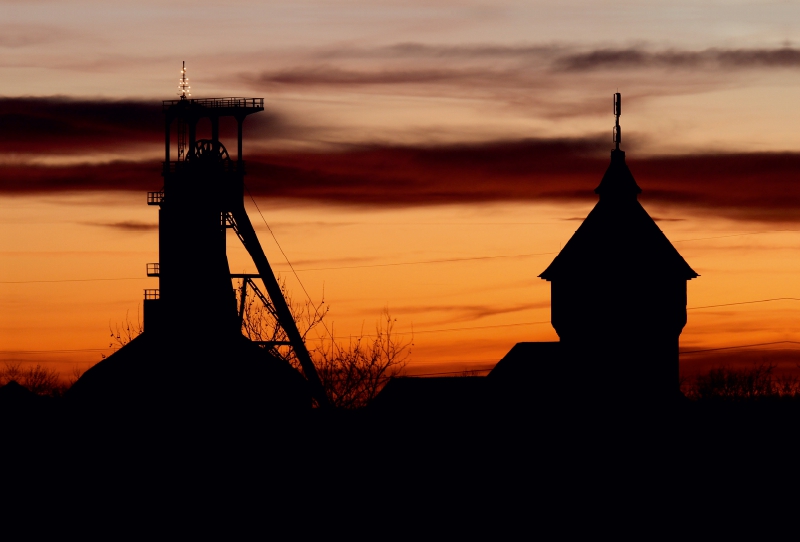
(617, 113)
(183, 83)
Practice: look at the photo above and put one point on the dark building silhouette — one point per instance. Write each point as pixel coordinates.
(618, 295)
(192, 349)
(618, 304)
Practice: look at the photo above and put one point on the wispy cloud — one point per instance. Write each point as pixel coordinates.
(450, 51)
(328, 75)
(552, 82)
(16, 36)
(523, 65)
(128, 225)
(466, 313)
(638, 58)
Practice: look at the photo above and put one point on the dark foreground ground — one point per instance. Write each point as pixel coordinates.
(555, 470)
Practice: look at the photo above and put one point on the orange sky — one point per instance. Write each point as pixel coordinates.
(465, 312)
(402, 133)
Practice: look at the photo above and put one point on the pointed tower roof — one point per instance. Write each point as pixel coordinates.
(618, 238)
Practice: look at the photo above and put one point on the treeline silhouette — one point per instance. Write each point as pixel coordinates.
(38, 380)
(420, 461)
(355, 375)
(759, 382)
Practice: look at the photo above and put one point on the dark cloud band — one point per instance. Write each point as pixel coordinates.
(744, 186)
(61, 125)
(643, 58)
(56, 125)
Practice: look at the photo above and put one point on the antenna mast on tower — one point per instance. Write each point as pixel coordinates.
(183, 83)
(617, 113)
(183, 92)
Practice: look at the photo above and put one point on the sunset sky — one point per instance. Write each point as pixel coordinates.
(431, 158)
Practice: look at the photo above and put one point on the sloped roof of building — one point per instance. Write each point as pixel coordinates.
(618, 238)
(528, 361)
(225, 372)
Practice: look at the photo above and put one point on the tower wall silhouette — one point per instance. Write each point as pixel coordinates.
(618, 296)
(192, 355)
(620, 335)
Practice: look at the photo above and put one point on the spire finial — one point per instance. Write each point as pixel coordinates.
(617, 113)
(183, 83)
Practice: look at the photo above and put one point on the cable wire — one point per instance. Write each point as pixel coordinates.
(67, 280)
(740, 346)
(447, 260)
(733, 235)
(59, 351)
(745, 303)
(321, 321)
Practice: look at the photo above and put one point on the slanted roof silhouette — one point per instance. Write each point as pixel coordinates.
(618, 238)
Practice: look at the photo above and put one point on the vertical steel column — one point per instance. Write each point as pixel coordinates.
(242, 298)
(239, 122)
(192, 133)
(214, 128)
(167, 125)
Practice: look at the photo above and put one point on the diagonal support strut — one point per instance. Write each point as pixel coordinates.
(244, 230)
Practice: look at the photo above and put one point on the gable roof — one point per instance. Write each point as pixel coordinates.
(618, 237)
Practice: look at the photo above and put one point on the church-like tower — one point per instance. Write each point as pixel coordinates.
(618, 294)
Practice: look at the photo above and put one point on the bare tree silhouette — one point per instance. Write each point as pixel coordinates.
(123, 333)
(355, 373)
(40, 380)
(352, 373)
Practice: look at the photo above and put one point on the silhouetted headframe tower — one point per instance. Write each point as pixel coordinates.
(195, 305)
(618, 292)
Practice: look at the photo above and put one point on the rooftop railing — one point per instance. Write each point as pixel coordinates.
(226, 165)
(250, 103)
(155, 198)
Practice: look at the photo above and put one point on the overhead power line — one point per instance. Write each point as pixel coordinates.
(480, 327)
(737, 347)
(445, 260)
(67, 280)
(744, 303)
(59, 351)
(733, 235)
(418, 262)
(285, 257)
(682, 353)
(416, 332)
(454, 372)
